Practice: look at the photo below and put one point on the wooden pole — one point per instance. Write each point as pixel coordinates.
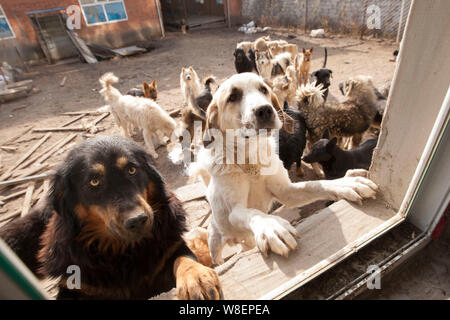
(306, 16)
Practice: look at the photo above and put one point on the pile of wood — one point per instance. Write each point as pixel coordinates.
(28, 178)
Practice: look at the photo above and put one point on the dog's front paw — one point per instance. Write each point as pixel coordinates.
(353, 188)
(273, 233)
(195, 281)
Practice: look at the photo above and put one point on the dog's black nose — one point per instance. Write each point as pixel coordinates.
(264, 113)
(136, 222)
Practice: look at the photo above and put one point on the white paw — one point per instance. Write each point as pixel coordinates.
(273, 233)
(353, 188)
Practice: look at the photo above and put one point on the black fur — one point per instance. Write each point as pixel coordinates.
(323, 76)
(135, 92)
(335, 161)
(53, 234)
(291, 146)
(244, 62)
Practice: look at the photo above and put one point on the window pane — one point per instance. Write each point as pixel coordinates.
(5, 31)
(115, 11)
(94, 14)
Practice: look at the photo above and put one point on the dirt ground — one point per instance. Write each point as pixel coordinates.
(208, 51)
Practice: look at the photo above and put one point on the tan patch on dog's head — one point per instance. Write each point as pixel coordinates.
(99, 168)
(121, 162)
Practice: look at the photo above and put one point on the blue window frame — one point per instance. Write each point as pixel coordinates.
(6, 32)
(102, 11)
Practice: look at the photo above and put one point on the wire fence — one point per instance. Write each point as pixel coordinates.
(386, 18)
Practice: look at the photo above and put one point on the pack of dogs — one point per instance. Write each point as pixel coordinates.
(110, 212)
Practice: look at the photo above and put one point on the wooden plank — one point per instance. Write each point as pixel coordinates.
(60, 129)
(325, 237)
(9, 216)
(33, 159)
(13, 195)
(191, 192)
(97, 121)
(77, 113)
(28, 197)
(30, 171)
(74, 119)
(321, 236)
(38, 177)
(56, 148)
(8, 173)
(13, 139)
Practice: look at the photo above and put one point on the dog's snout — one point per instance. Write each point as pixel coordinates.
(264, 113)
(136, 222)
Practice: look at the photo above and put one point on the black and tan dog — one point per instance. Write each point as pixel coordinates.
(110, 213)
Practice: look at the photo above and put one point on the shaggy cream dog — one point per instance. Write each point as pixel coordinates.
(190, 83)
(241, 192)
(139, 112)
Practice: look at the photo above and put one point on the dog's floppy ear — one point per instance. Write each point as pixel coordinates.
(158, 188)
(212, 121)
(288, 122)
(63, 199)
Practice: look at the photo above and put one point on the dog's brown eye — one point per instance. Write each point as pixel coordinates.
(233, 97)
(263, 90)
(132, 170)
(95, 182)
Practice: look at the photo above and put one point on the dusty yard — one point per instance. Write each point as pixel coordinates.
(209, 52)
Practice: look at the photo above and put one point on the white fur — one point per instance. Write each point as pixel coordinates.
(240, 199)
(139, 112)
(190, 83)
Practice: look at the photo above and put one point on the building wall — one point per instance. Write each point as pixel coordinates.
(142, 24)
(336, 15)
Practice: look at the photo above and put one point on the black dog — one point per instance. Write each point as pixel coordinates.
(110, 213)
(335, 161)
(244, 62)
(323, 76)
(291, 146)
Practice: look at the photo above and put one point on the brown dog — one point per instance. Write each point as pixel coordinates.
(305, 66)
(150, 90)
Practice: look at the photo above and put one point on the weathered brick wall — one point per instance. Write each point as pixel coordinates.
(335, 15)
(142, 24)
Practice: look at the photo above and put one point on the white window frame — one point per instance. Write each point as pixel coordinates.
(9, 25)
(102, 3)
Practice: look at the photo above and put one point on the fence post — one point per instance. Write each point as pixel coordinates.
(400, 21)
(306, 16)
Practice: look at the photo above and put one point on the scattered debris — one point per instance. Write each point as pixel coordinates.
(318, 33)
(347, 61)
(28, 197)
(63, 81)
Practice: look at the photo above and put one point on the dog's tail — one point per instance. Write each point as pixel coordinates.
(196, 108)
(108, 90)
(209, 80)
(325, 60)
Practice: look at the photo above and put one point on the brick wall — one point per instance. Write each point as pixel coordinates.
(335, 15)
(142, 24)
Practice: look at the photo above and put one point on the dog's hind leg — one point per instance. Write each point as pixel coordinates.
(149, 143)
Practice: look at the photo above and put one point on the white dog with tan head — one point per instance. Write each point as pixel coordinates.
(245, 115)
